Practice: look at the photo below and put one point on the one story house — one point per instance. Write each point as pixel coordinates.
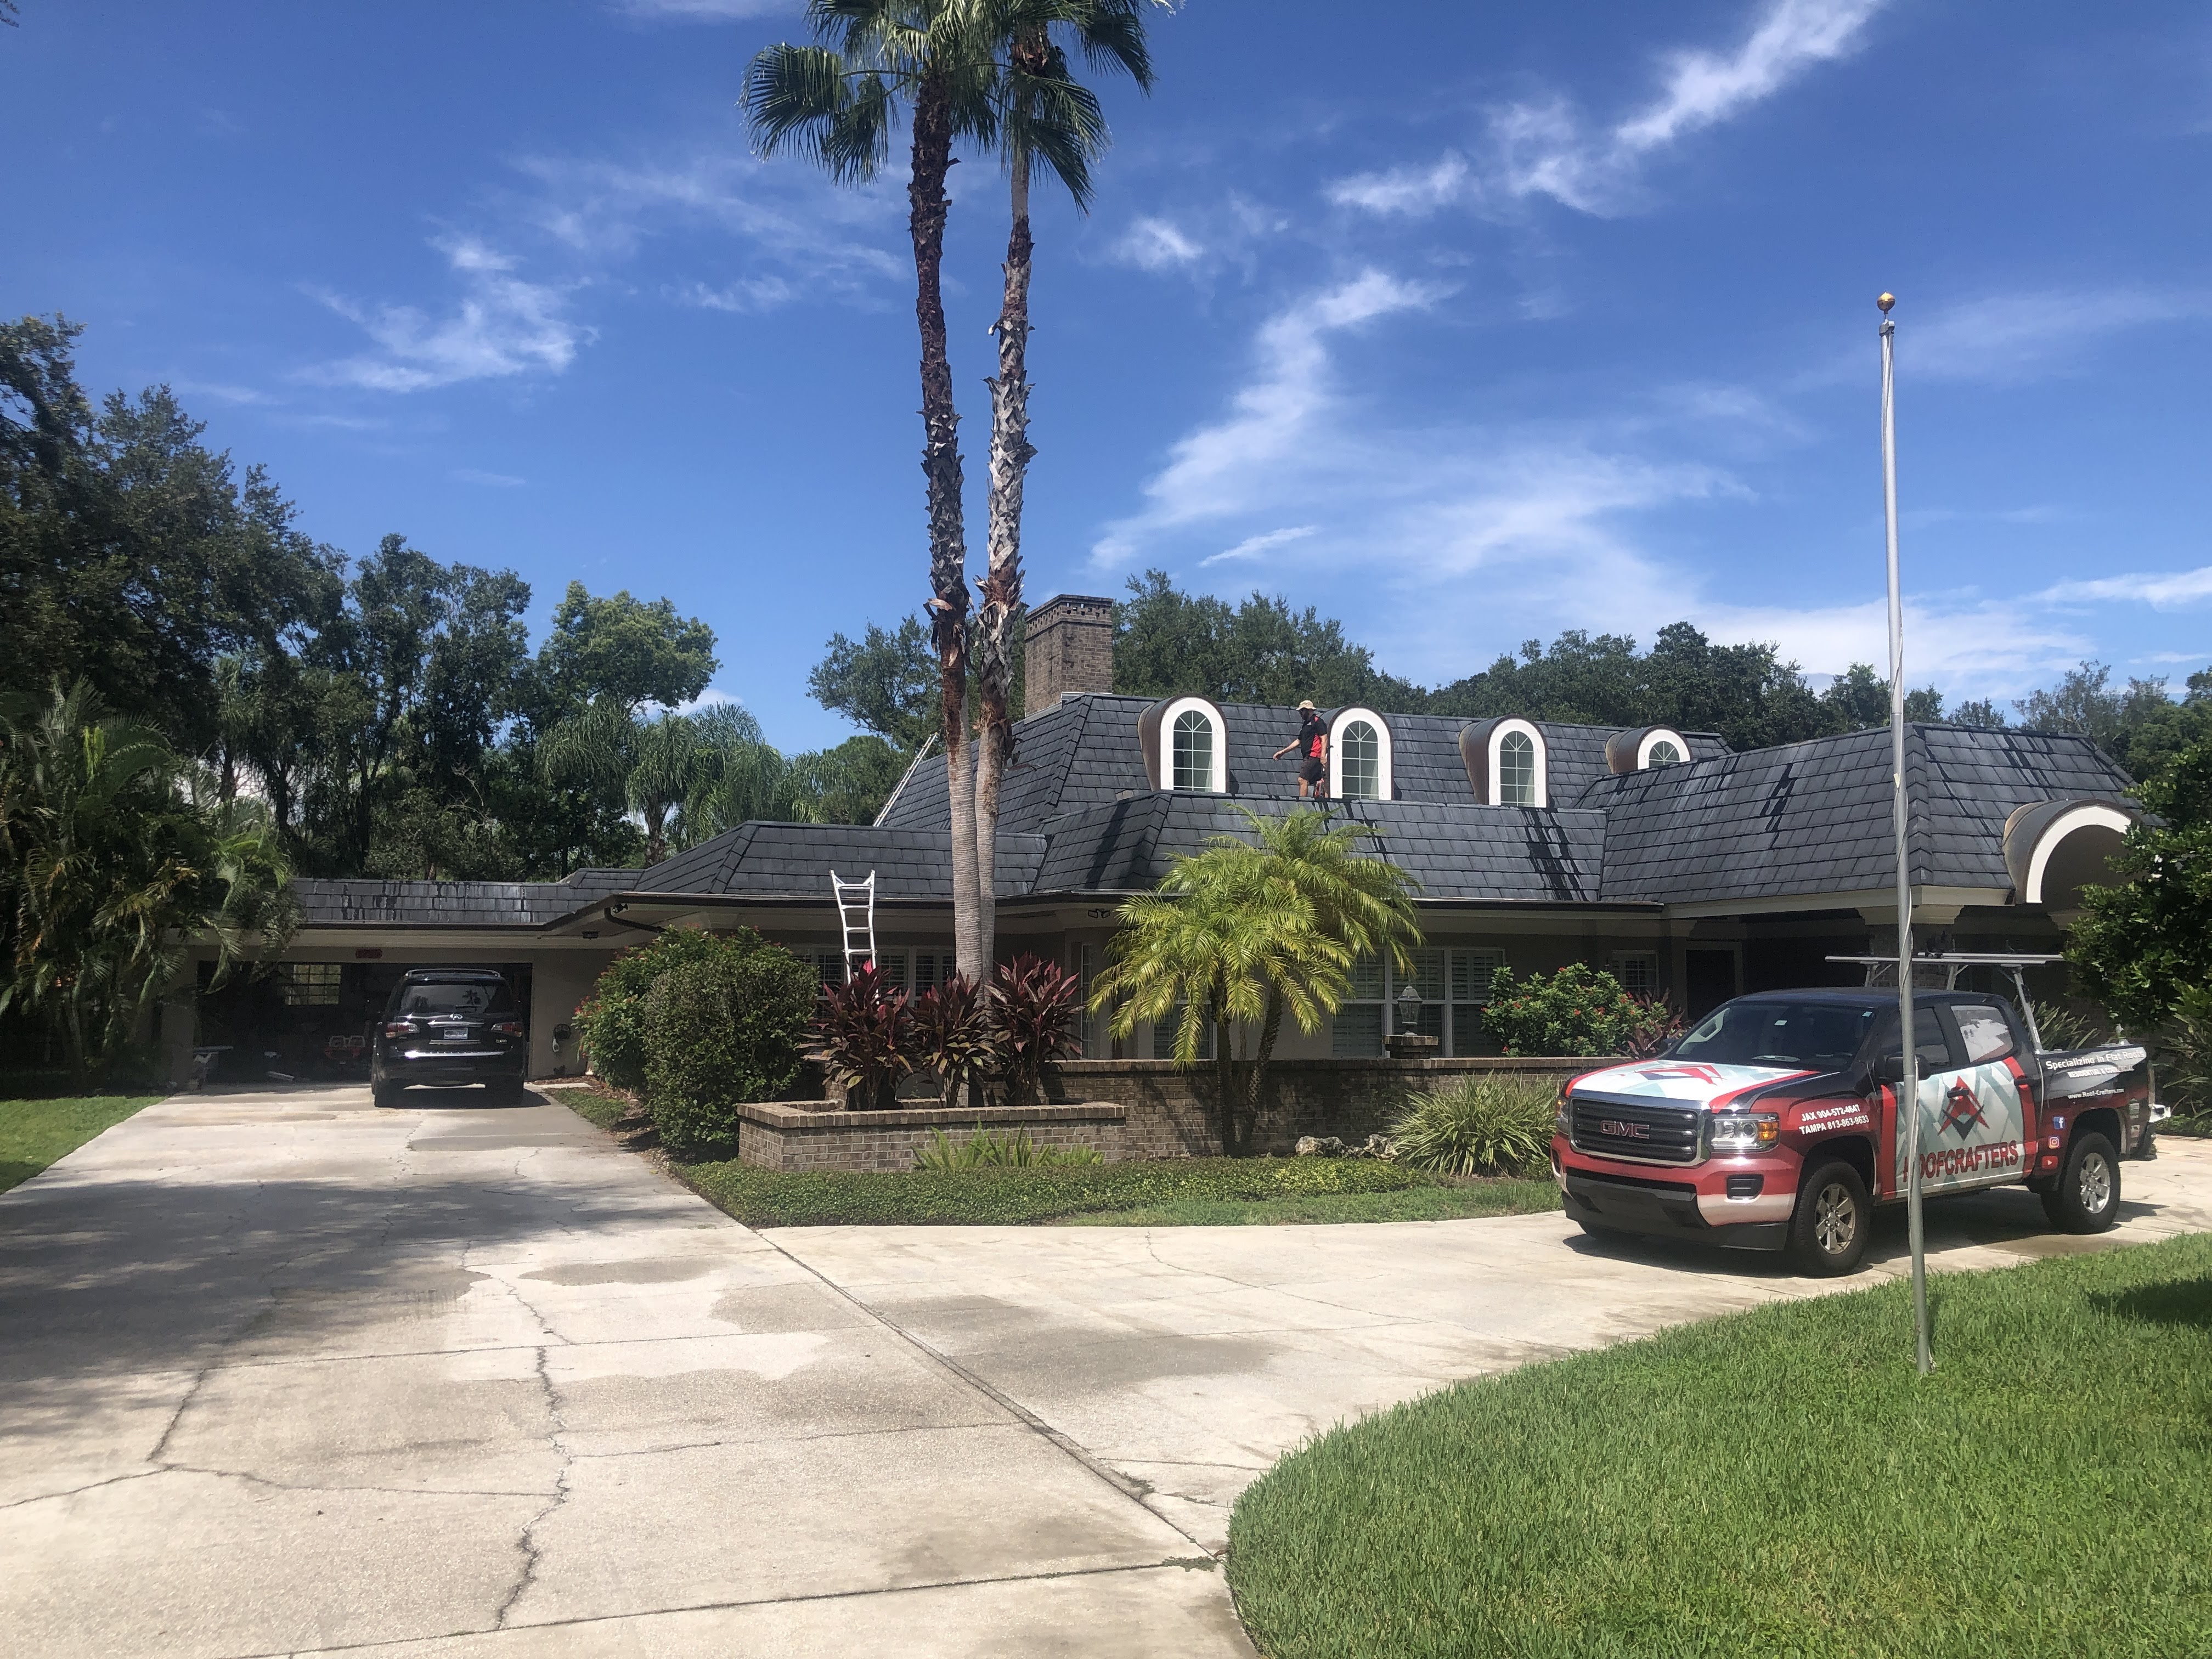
(1689, 870)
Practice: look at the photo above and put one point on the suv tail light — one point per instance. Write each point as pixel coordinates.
(509, 1027)
(398, 1028)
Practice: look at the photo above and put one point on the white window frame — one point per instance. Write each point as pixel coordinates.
(1649, 958)
(1498, 733)
(1384, 783)
(1653, 738)
(1460, 963)
(1174, 711)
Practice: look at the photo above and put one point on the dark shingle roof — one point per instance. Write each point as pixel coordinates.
(1814, 817)
(772, 860)
(455, 903)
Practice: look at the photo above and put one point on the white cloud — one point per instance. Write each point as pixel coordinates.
(1257, 454)
(2162, 592)
(1546, 148)
(2011, 338)
(470, 475)
(1151, 244)
(224, 392)
(501, 327)
(1253, 546)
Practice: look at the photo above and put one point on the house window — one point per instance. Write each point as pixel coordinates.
(309, 984)
(1086, 1023)
(1453, 984)
(1359, 756)
(1637, 970)
(1356, 1033)
(1663, 753)
(1516, 771)
(1471, 972)
(1194, 750)
(1169, 1027)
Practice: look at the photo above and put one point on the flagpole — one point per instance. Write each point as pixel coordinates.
(1908, 1086)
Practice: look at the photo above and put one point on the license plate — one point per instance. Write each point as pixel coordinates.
(456, 1036)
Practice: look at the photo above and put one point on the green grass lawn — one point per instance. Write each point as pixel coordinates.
(34, 1133)
(1168, 1191)
(1780, 1482)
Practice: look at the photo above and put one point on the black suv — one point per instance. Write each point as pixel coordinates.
(450, 1025)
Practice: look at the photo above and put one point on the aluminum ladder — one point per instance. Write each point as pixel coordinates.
(856, 914)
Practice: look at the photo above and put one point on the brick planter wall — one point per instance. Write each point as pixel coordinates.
(1171, 1113)
(802, 1135)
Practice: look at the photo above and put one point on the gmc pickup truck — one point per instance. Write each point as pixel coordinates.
(1774, 1124)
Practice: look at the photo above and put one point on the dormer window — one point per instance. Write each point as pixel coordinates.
(1647, 746)
(1506, 764)
(1186, 746)
(1359, 756)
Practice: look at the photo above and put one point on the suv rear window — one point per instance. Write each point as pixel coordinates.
(452, 996)
(1821, 1035)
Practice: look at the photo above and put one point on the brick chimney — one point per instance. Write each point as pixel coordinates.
(1068, 646)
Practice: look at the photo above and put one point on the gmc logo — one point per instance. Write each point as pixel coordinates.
(1620, 1131)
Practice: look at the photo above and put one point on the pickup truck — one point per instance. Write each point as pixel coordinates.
(1773, 1125)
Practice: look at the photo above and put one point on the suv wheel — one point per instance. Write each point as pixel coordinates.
(2088, 1197)
(1828, 1233)
(382, 1092)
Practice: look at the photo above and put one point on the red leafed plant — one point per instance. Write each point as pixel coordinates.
(861, 1035)
(952, 1035)
(1033, 1008)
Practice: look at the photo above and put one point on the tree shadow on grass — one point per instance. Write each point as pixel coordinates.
(2174, 1302)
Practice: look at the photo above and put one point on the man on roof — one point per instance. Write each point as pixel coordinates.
(1311, 745)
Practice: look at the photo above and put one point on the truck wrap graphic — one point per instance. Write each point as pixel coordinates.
(1973, 1130)
(1692, 1082)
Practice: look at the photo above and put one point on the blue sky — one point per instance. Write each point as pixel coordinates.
(1499, 321)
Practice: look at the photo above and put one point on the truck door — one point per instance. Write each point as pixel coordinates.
(1932, 1045)
(1973, 1121)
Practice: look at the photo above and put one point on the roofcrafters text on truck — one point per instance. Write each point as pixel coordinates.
(1774, 1124)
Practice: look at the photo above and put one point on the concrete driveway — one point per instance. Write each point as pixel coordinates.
(281, 1373)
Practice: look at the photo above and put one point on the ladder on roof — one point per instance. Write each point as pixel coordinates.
(856, 914)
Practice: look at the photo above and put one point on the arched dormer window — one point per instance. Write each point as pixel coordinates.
(1506, 763)
(2054, 848)
(1359, 756)
(1192, 752)
(1644, 748)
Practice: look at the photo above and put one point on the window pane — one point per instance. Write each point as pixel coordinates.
(1165, 1030)
(1428, 975)
(1467, 1036)
(1470, 974)
(1359, 752)
(1516, 771)
(1665, 754)
(1988, 1038)
(1637, 972)
(1366, 980)
(1194, 750)
(1356, 1032)
(309, 984)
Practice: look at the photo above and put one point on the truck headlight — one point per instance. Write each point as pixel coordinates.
(1562, 1115)
(1744, 1131)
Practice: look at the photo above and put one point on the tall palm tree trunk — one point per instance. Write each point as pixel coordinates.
(1256, 1079)
(1011, 453)
(941, 466)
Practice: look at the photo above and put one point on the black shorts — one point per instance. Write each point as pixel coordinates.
(1312, 771)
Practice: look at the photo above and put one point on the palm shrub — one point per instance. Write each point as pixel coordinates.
(610, 1023)
(1479, 1126)
(948, 1032)
(719, 1029)
(1579, 1010)
(861, 1037)
(1033, 1007)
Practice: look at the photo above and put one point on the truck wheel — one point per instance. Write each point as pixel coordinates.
(2087, 1198)
(1828, 1233)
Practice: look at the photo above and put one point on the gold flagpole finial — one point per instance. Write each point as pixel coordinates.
(1885, 302)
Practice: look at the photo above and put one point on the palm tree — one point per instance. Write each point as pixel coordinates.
(1245, 932)
(837, 101)
(110, 870)
(1043, 115)
(679, 772)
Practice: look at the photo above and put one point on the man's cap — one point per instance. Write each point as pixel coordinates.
(1308, 703)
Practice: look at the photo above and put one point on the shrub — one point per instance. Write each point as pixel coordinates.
(611, 1024)
(719, 1031)
(1033, 1007)
(1480, 1125)
(861, 1035)
(985, 1151)
(1579, 1010)
(949, 1032)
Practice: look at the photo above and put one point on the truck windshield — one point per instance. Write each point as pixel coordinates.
(1821, 1035)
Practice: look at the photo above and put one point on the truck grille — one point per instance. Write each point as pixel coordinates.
(1641, 1131)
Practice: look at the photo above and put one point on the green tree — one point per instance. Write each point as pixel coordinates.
(2146, 941)
(838, 102)
(111, 866)
(885, 682)
(622, 650)
(1247, 932)
(1170, 643)
(846, 784)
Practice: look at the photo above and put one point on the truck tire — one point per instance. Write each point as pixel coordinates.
(1828, 1232)
(2087, 1198)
